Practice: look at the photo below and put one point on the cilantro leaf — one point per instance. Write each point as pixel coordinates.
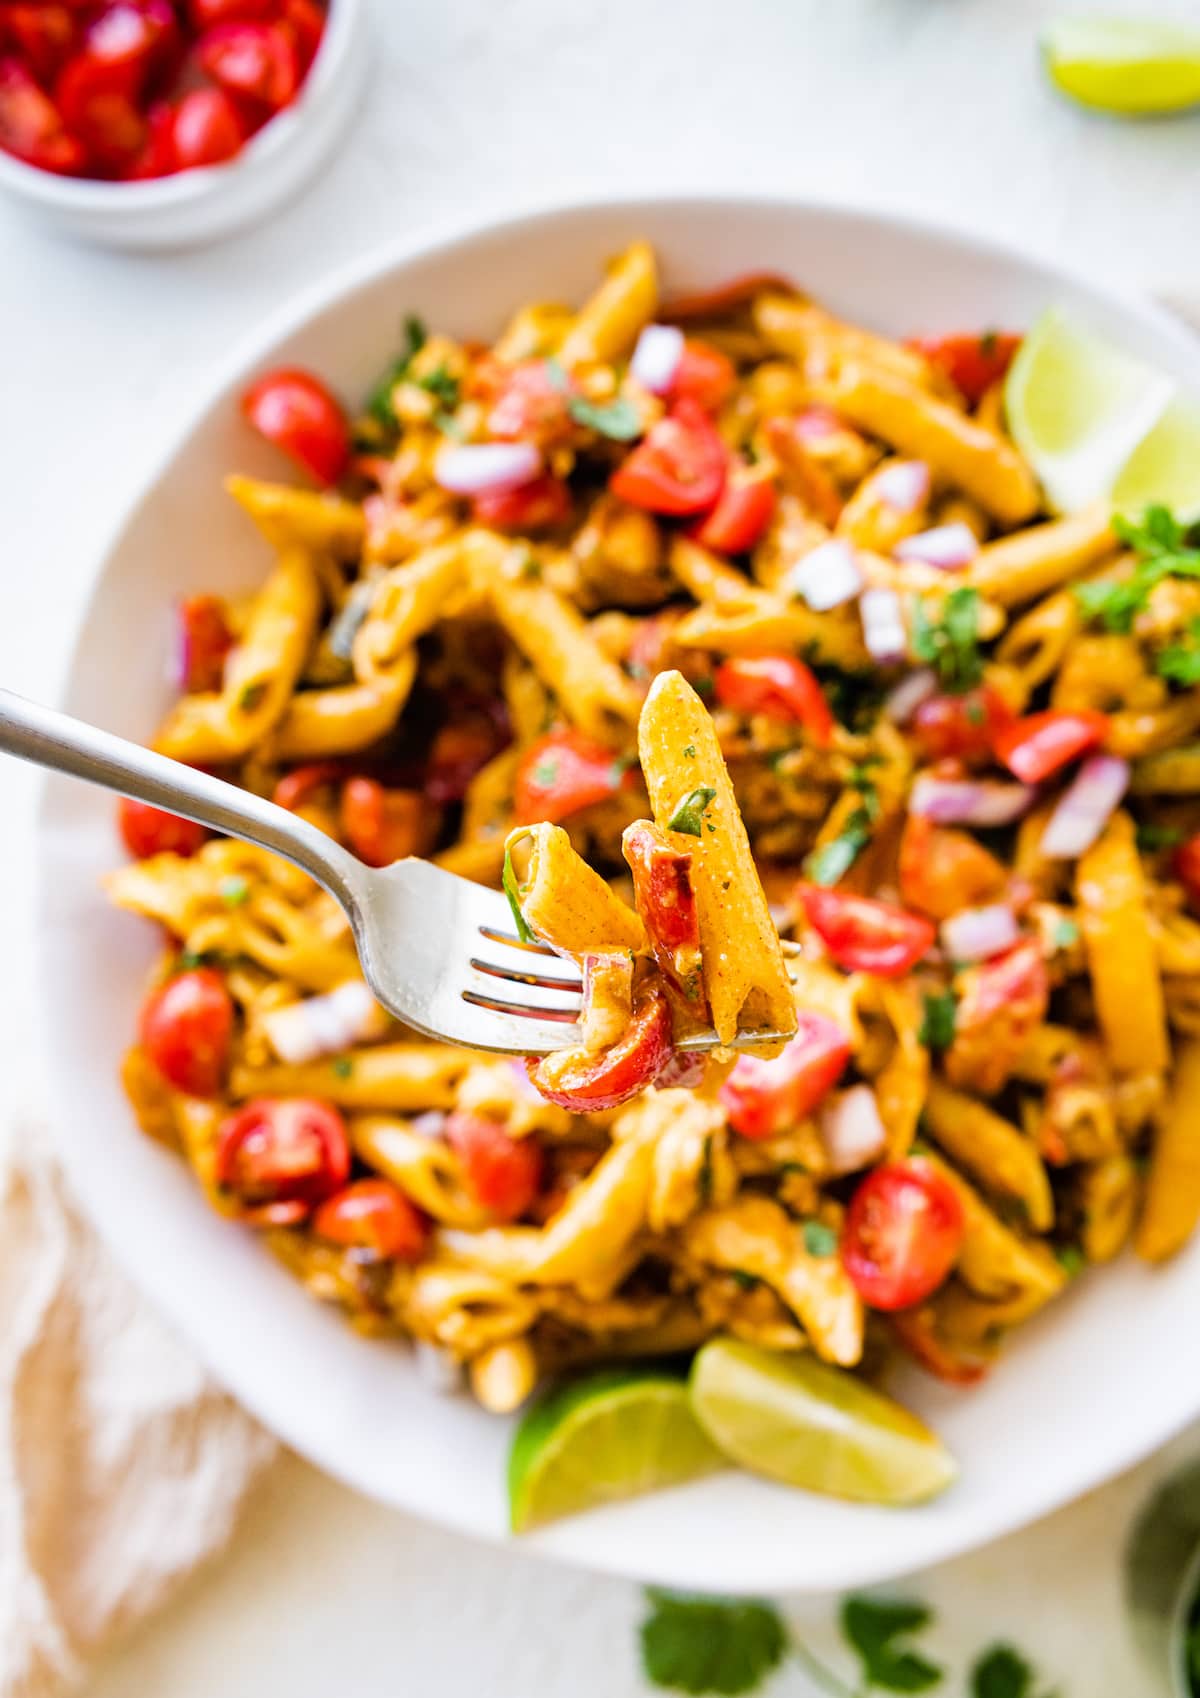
(341, 1066)
(831, 861)
(1161, 545)
(1151, 836)
(619, 420)
(938, 1020)
(1071, 1260)
(1180, 663)
(689, 815)
(872, 1626)
(950, 644)
(512, 891)
(233, 890)
(442, 385)
(697, 1644)
(1002, 1672)
(819, 1239)
(1066, 932)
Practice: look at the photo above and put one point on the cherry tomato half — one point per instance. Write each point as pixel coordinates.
(185, 1028)
(864, 935)
(252, 62)
(744, 509)
(1185, 864)
(972, 363)
(538, 505)
(501, 1172)
(382, 826)
(586, 1083)
(704, 375)
(961, 727)
(765, 1097)
(678, 467)
(529, 406)
(281, 1156)
(666, 901)
(779, 686)
(31, 126)
(1035, 747)
(296, 412)
(374, 1215)
(207, 129)
(563, 772)
(150, 831)
(205, 639)
(903, 1231)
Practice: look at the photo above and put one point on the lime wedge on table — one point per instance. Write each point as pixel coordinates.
(1132, 66)
(593, 1441)
(800, 1421)
(1164, 469)
(1078, 407)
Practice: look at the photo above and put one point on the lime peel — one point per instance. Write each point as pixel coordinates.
(1133, 67)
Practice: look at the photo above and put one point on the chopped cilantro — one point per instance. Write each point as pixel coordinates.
(988, 343)
(743, 1280)
(190, 959)
(690, 751)
(512, 891)
(1066, 933)
(546, 771)
(1070, 1259)
(341, 1066)
(1151, 836)
(705, 688)
(689, 815)
(950, 644)
(696, 1644)
(233, 890)
(618, 419)
(250, 696)
(442, 385)
(872, 1626)
(832, 861)
(1180, 663)
(938, 1019)
(379, 403)
(819, 1239)
(1161, 545)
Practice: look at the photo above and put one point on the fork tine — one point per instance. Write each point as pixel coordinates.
(533, 947)
(543, 980)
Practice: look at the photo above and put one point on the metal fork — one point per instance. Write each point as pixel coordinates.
(438, 952)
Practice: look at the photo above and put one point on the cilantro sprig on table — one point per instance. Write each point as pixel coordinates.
(1163, 549)
(729, 1646)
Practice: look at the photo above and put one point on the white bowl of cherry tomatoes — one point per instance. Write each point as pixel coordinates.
(162, 123)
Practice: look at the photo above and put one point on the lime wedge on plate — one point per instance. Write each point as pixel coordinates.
(1078, 407)
(1134, 67)
(1164, 469)
(798, 1420)
(593, 1441)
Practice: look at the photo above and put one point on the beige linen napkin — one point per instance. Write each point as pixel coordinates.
(121, 1465)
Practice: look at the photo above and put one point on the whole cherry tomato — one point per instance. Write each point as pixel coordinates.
(185, 1028)
(501, 1172)
(150, 831)
(374, 1215)
(294, 410)
(903, 1231)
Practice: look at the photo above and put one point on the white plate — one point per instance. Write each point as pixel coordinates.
(1087, 1390)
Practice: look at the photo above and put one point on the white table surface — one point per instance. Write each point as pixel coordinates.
(477, 106)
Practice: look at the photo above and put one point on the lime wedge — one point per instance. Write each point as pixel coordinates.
(1164, 469)
(1134, 67)
(593, 1441)
(798, 1420)
(1078, 407)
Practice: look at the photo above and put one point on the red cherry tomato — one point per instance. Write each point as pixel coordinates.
(306, 21)
(382, 826)
(529, 405)
(207, 14)
(1001, 1002)
(1038, 745)
(296, 787)
(106, 120)
(463, 747)
(1185, 864)
(43, 36)
(744, 509)
(866, 936)
(904, 1229)
(678, 467)
(972, 363)
(585, 1083)
(705, 375)
(779, 686)
(961, 727)
(374, 1215)
(257, 63)
(185, 1028)
(31, 126)
(765, 1097)
(535, 506)
(563, 772)
(205, 640)
(207, 129)
(666, 901)
(917, 1331)
(502, 1173)
(150, 831)
(281, 1156)
(724, 297)
(158, 157)
(296, 412)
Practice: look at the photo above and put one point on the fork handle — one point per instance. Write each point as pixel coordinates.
(52, 739)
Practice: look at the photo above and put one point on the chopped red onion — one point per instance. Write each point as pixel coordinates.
(1084, 810)
(478, 468)
(947, 546)
(656, 357)
(827, 577)
(904, 486)
(683, 1071)
(909, 693)
(851, 1129)
(964, 801)
(429, 1124)
(323, 1025)
(883, 625)
(816, 422)
(975, 934)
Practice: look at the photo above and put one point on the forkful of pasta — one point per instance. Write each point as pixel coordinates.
(558, 967)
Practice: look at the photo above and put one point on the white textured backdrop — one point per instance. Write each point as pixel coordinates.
(476, 107)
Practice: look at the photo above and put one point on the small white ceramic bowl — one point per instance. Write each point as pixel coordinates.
(1084, 1390)
(206, 204)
